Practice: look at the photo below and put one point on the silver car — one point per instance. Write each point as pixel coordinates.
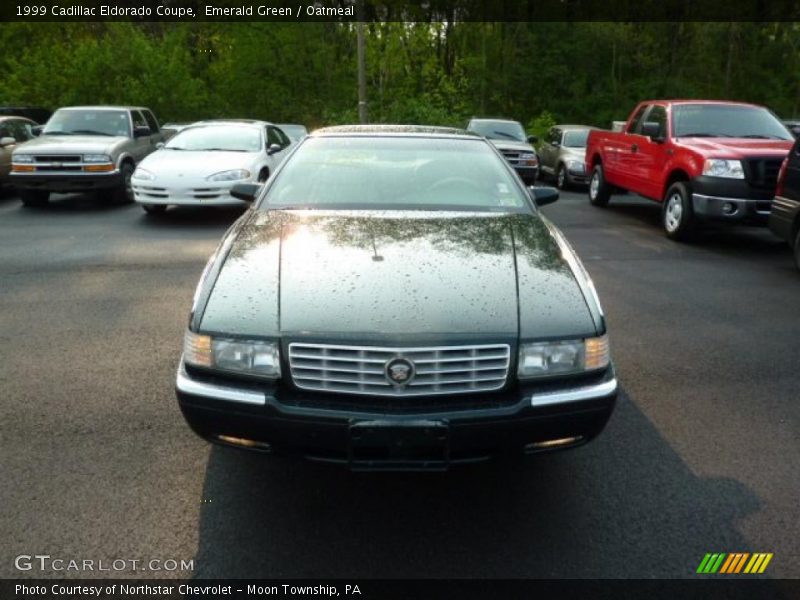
(563, 154)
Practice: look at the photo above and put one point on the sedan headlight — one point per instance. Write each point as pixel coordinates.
(96, 158)
(143, 174)
(232, 175)
(248, 357)
(719, 167)
(22, 158)
(576, 166)
(543, 359)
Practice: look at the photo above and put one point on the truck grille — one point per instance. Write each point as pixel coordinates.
(512, 156)
(362, 369)
(58, 158)
(763, 172)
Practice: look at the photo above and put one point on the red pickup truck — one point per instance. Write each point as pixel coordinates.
(701, 159)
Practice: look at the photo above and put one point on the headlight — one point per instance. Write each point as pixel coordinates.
(720, 167)
(233, 175)
(96, 158)
(143, 174)
(22, 158)
(563, 357)
(249, 357)
(576, 166)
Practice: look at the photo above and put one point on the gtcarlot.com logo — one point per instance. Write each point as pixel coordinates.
(734, 563)
(45, 562)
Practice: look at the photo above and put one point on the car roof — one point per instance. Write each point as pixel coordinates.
(103, 107)
(231, 122)
(394, 130)
(698, 101)
(17, 117)
(568, 127)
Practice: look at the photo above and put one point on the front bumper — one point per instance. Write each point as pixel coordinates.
(202, 194)
(66, 183)
(320, 426)
(714, 198)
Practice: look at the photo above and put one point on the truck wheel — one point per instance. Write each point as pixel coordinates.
(677, 215)
(34, 197)
(154, 209)
(124, 193)
(561, 178)
(599, 190)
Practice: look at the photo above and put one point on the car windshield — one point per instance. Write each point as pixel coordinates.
(385, 173)
(499, 130)
(226, 138)
(576, 138)
(89, 122)
(727, 120)
(295, 132)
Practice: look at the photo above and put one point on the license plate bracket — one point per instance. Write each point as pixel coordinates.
(399, 445)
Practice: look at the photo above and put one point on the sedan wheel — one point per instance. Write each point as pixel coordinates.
(561, 177)
(154, 209)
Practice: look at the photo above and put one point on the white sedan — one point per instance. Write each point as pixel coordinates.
(199, 165)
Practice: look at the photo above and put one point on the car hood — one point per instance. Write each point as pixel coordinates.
(736, 147)
(512, 145)
(396, 276)
(574, 153)
(71, 144)
(189, 163)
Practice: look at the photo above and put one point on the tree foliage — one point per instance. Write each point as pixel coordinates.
(440, 71)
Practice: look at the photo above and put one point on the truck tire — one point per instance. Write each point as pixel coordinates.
(599, 190)
(677, 215)
(796, 249)
(124, 193)
(34, 197)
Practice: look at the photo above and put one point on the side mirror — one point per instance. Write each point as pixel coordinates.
(532, 139)
(555, 144)
(273, 148)
(246, 191)
(543, 195)
(141, 131)
(652, 129)
(36, 130)
(7, 141)
(159, 145)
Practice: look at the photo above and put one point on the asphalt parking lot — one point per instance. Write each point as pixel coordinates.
(97, 463)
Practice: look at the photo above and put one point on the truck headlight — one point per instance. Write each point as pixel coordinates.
(722, 167)
(542, 359)
(248, 357)
(143, 174)
(96, 158)
(232, 175)
(22, 158)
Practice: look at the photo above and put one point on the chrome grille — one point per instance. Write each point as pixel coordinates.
(361, 369)
(511, 156)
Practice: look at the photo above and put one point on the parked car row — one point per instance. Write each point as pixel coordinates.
(123, 152)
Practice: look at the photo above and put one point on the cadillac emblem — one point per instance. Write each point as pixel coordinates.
(399, 371)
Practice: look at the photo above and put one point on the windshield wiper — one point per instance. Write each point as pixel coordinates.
(173, 148)
(56, 133)
(758, 136)
(704, 134)
(507, 135)
(92, 132)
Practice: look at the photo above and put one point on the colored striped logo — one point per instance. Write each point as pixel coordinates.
(734, 563)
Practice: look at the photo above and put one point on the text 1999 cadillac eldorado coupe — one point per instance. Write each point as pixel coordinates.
(394, 299)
